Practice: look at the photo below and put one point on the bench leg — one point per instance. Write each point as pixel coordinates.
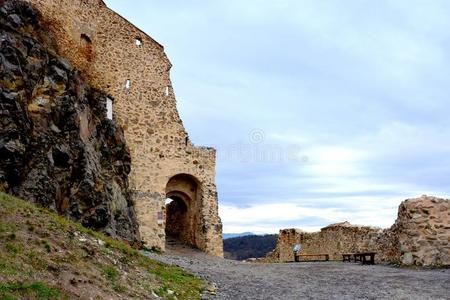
(370, 261)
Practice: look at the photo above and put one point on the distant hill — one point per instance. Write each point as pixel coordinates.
(240, 248)
(233, 235)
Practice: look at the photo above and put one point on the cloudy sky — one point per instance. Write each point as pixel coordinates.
(321, 111)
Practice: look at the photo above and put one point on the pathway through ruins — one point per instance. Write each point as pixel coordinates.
(327, 280)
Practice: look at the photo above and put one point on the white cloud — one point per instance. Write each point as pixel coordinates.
(361, 88)
(265, 218)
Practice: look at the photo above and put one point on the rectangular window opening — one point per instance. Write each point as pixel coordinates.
(109, 109)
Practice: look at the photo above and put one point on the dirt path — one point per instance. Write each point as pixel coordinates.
(327, 280)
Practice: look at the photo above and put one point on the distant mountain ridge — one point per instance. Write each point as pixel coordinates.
(243, 247)
(233, 235)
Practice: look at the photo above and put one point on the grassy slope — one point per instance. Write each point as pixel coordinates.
(44, 256)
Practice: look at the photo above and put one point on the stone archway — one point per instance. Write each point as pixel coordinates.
(183, 209)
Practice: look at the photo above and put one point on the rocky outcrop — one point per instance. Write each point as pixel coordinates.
(57, 146)
(420, 236)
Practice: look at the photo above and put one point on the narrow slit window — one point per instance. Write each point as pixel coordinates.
(166, 91)
(109, 109)
(86, 47)
(128, 84)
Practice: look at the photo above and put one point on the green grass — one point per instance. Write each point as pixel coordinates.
(110, 272)
(46, 245)
(36, 289)
(6, 227)
(183, 284)
(118, 287)
(13, 248)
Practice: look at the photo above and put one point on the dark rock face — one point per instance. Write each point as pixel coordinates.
(57, 148)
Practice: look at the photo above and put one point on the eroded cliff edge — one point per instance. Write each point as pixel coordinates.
(57, 146)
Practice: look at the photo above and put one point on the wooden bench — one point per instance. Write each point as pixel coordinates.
(325, 256)
(366, 258)
(347, 257)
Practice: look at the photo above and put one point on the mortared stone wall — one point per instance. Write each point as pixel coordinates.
(121, 59)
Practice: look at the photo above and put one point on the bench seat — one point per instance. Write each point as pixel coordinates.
(366, 258)
(326, 257)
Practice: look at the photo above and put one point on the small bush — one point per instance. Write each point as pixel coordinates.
(47, 246)
(119, 288)
(12, 248)
(110, 272)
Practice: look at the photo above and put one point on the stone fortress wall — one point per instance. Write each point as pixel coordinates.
(420, 236)
(119, 58)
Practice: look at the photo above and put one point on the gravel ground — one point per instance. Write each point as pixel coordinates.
(312, 280)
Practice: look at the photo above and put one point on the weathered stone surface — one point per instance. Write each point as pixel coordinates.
(334, 240)
(420, 236)
(423, 228)
(57, 147)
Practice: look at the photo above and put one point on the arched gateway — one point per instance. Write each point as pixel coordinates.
(183, 209)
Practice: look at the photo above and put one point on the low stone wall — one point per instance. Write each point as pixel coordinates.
(334, 240)
(420, 236)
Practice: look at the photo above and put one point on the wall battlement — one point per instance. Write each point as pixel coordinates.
(121, 59)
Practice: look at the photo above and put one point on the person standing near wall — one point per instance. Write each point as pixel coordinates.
(296, 249)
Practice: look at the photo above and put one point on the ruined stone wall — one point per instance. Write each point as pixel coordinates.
(333, 240)
(133, 68)
(420, 236)
(423, 229)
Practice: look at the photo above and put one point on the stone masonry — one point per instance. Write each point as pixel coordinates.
(420, 236)
(121, 59)
(333, 240)
(423, 230)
